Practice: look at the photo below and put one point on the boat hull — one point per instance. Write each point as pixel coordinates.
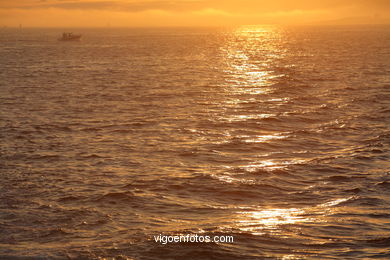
(70, 38)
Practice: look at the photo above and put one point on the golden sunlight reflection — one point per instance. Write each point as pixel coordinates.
(270, 165)
(248, 75)
(237, 118)
(256, 221)
(291, 257)
(251, 56)
(265, 165)
(262, 138)
(260, 221)
(257, 167)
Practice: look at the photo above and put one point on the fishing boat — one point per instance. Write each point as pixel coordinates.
(70, 37)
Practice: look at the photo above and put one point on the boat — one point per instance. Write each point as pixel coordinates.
(70, 37)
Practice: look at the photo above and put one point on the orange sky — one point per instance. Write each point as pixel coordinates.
(98, 13)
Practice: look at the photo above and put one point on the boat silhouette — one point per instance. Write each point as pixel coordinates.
(70, 37)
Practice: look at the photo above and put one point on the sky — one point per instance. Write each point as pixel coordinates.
(145, 13)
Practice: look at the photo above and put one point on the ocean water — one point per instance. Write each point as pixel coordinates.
(277, 136)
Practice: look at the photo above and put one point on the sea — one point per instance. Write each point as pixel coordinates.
(276, 136)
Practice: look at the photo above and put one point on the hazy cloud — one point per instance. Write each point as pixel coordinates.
(241, 6)
(183, 12)
(187, 5)
(128, 6)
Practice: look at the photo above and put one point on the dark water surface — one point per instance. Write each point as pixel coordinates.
(277, 136)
